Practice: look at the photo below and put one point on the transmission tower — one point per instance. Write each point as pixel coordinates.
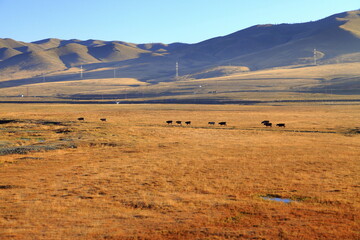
(81, 72)
(177, 70)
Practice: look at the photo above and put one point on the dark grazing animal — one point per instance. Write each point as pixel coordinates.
(169, 122)
(268, 124)
(188, 122)
(280, 124)
(81, 119)
(178, 122)
(211, 123)
(222, 123)
(103, 119)
(265, 121)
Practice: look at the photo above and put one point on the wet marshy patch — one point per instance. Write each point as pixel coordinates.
(279, 198)
(4, 143)
(63, 130)
(35, 148)
(104, 144)
(334, 190)
(276, 199)
(139, 205)
(353, 131)
(51, 123)
(25, 139)
(33, 135)
(2, 187)
(30, 158)
(5, 121)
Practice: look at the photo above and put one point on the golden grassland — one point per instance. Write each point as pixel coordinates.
(269, 84)
(85, 86)
(135, 177)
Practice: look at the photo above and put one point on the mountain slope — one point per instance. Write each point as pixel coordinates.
(265, 46)
(115, 52)
(30, 64)
(73, 54)
(6, 53)
(335, 38)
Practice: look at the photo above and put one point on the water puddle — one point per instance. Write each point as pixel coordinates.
(276, 199)
(25, 139)
(279, 198)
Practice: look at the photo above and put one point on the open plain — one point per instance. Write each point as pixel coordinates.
(135, 177)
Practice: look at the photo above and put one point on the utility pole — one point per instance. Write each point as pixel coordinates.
(81, 72)
(177, 70)
(114, 72)
(315, 56)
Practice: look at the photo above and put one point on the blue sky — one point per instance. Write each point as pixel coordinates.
(148, 21)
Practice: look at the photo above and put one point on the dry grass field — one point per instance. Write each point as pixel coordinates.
(86, 86)
(323, 82)
(135, 177)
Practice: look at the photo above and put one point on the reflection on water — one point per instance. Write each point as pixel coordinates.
(284, 200)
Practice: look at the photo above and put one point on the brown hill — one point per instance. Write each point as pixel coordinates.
(335, 38)
(31, 64)
(6, 53)
(10, 43)
(73, 54)
(116, 52)
(219, 72)
(266, 46)
(48, 43)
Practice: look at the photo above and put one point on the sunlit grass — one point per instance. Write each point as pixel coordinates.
(135, 177)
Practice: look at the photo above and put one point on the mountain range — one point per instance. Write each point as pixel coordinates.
(335, 39)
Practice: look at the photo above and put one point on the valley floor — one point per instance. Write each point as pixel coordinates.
(135, 177)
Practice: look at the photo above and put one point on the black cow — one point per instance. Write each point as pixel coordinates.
(222, 123)
(265, 121)
(103, 119)
(211, 123)
(81, 119)
(169, 122)
(188, 122)
(178, 122)
(268, 124)
(280, 124)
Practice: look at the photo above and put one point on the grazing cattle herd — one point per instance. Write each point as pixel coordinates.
(266, 123)
(83, 119)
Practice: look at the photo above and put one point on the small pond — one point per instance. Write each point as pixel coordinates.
(276, 199)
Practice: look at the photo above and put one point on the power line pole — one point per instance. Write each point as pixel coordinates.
(81, 72)
(315, 56)
(177, 70)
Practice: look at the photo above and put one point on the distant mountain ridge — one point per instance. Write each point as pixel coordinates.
(335, 38)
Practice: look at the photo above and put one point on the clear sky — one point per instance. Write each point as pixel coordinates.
(149, 21)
